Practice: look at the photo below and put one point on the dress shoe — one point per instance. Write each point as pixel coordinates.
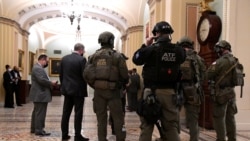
(65, 138)
(19, 105)
(9, 106)
(42, 134)
(32, 132)
(81, 138)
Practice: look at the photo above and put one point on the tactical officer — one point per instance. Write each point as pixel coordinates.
(123, 93)
(193, 70)
(160, 74)
(111, 73)
(224, 105)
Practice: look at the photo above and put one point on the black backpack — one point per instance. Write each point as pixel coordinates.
(238, 74)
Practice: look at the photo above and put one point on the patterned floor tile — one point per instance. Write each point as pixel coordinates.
(15, 124)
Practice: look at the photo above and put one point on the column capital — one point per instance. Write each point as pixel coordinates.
(124, 36)
(135, 29)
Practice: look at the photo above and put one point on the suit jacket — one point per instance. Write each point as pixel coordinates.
(71, 75)
(40, 90)
(16, 76)
(7, 79)
(134, 86)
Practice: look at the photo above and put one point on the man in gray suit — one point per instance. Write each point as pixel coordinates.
(40, 94)
(74, 89)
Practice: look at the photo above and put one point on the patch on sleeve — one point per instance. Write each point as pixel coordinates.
(213, 66)
(137, 55)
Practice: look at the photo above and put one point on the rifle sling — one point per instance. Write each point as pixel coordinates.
(217, 83)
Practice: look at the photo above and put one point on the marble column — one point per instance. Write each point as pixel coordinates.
(131, 42)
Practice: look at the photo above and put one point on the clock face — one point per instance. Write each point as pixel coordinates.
(208, 30)
(204, 29)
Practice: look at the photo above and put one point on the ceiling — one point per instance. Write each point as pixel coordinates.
(112, 15)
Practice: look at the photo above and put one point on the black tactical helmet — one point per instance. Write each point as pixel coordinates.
(222, 44)
(185, 41)
(106, 38)
(162, 27)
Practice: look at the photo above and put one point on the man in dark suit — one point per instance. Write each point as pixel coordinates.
(74, 89)
(16, 85)
(136, 84)
(133, 88)
(40, 94)
(8, 81)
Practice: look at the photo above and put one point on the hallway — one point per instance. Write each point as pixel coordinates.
(15, 124)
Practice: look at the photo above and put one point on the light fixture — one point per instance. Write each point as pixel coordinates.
(78, 31)
(73, 12)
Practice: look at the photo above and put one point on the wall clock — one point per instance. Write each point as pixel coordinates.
(209, 28)
(208, 33)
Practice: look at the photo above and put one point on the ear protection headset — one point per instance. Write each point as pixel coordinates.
(106, 38)
(111, 40)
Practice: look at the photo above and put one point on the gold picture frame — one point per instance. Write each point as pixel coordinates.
(31, 61)
(20, 59)
(54, 66)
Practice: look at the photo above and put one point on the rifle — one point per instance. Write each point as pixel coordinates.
(178, 98)
(241, 91)
(198, 81)
(241, 87)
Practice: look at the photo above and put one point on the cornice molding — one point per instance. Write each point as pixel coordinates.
(105, 15)
(16, 25)
(68, 4)
(152, 2)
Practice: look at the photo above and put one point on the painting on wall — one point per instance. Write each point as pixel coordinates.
(20, 59)
(54, 66)
(31, 61)
(147, 30)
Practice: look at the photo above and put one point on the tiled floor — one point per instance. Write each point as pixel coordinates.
(15, 124)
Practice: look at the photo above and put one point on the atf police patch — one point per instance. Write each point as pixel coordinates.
(168, 57)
